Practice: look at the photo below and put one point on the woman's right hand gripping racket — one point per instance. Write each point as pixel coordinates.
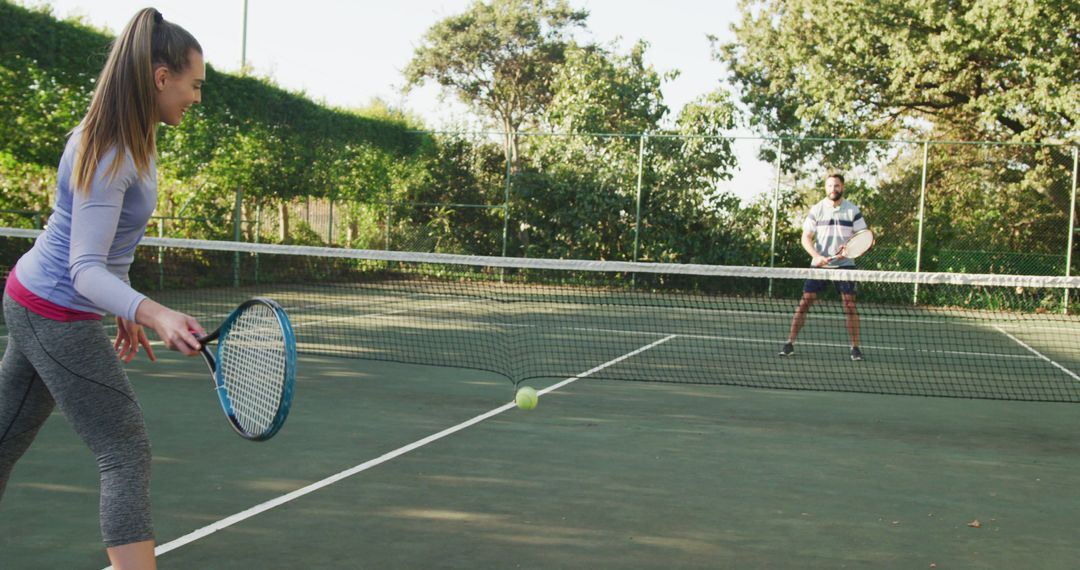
(254, 367)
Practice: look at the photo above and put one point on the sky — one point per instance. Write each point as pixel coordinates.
(347, 53)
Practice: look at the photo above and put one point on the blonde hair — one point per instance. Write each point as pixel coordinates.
(123, 113)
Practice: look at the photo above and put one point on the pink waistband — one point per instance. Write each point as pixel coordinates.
(42, 307)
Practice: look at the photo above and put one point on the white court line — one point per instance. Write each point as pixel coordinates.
(257, 509)
(1064, 327)
(387, 298)
(719, 338)
(1039, 354)
(376, 315)
(810, 343)
(323, 321)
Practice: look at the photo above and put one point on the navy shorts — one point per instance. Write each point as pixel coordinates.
(819, 285)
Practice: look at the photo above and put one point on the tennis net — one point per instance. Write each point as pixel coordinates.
(970, 336)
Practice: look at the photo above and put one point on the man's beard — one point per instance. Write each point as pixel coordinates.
(834, 196)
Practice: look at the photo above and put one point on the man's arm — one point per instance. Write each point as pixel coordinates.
(858, 222)
(811, 249)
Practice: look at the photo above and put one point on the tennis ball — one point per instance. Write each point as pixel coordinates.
(526, 398)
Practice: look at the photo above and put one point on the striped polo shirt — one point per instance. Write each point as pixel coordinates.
(832, 226)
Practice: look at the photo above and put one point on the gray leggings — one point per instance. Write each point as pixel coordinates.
(73, 365)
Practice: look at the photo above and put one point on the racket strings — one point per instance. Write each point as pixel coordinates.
(859, 244)
(253, 365)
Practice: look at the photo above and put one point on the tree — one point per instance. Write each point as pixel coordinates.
(969, 70)
(578, 193)
(37, 110)
(498, 58)
(456, 170)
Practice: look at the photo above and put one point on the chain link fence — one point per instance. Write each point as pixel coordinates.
(934, 205)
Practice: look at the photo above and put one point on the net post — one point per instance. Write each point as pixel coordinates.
(922, 213)
(775, 208)
(1072, 228)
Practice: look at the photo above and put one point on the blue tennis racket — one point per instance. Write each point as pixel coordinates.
(254, 367)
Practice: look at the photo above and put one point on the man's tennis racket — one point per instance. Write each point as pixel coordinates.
(859, 243)
(254, 367)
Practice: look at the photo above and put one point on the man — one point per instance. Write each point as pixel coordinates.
(827, 227)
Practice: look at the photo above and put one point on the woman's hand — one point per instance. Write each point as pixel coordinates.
(129, 336)
(175, 329)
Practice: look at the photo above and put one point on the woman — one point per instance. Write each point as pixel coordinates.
(57, 352)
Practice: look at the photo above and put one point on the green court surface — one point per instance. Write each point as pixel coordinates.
(603, 474)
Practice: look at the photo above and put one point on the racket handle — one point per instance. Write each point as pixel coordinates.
(839, 255)
(206, 339)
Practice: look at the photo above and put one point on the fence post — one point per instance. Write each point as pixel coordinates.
(1072, 227)
(389, 220)
(258, 230)
(775, 208)
(637, 214)
(161, 255)
(330, 224)
(237, 222)
(506, 210)
(922, 212)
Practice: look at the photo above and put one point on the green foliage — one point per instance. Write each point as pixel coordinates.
(248, 134)
(803, 68)
(578, 194)
(973, 70)
(596, 91)
(452, 170)
(24, 191)
(304, 235)
(511, 59)
(498, 57)
(36, 111)
(497, 52)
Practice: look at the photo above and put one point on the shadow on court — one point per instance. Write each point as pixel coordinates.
(601, 475)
